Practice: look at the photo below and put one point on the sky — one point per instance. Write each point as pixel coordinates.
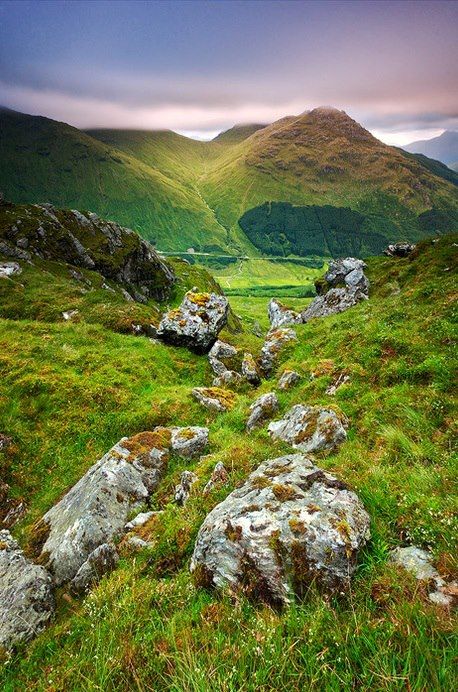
(199, 67)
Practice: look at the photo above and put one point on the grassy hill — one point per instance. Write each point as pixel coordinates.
(68, 391)
(322, 169)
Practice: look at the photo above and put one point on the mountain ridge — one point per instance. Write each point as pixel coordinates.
(444, 148)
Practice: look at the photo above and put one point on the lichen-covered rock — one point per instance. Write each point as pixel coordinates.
(102, 560)
(288, 379)
(290, 525)
(189, 442)
(219, 351)
(347, 272)
(263, 408)
(8, 269)
(183, 489)
(310, 429)
(196, 323)
(343, 286)
(276, 340)
(214, 398)
(95, 510)
(219, 477)
(230, 378)
(280, 315)
(26, 596)
(250, 370)
(419, 563)
(331, 303)
(399, 249)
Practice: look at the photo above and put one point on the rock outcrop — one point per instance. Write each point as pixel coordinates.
(288, 379)
(276, 340)
(310, 429)
(214, 398)
(280, 315)
(8, 269)
(250, 370)
(343, 286)
(219, 352)
(26, 595)
(262, 409)
(85, 240)
(290, 525)
(419, 563)
(196, 323)
(102, 560)
(399, 249)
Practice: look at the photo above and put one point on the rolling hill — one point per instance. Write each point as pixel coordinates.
(444, 148)
(332, 186)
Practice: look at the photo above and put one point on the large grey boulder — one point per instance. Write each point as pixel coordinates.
(310, 428)
(26, 595)
(260, 410)
(280, 315)
(276, 340)
(96, 509)
(347, 272)
(196, 323)
(189, 442)
(102, 560)
(290, 525)
(343, 286)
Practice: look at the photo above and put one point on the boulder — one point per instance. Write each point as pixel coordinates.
(230, 378)
(290, 525)
(331, 303)
(8, 269)
(183, 489)
(276, 340)
(343, 286)
(250, 370)
(95, 510)
(189, 442)
(102, 560)
(219, 477)
(399, 249)
(263, 408)
(214, 398)
(288, 379)
(219, 351)
(26, 595)
(310, 429)
(347, 272)
(419, 563)
(139, 520)
(196, 323)
(280, 315)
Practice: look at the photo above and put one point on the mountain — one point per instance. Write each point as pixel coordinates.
(436, 167)
(444, 148)
(333, 187)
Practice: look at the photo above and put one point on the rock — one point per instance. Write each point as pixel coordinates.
(136, 543)
(189, 442)
(102, 560)
(95, 510)
(289, 525)
(140, 520)
(8, 269)
(219, 477)
(347, 272)
(280, 315)
(288, 379)
(230, 378)
(214, 398)
(331, 303)
(341, 379)
(399, 249)
(419, 563)
(250, 370)
(276, 340)
(256, 329)
(26, 596)
(343, 286)
(183, 489)
(263, 408)
(309, 428)
(218, 351)
(69, 315)
(196, 323)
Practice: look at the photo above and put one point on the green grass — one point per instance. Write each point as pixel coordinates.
(68, 392)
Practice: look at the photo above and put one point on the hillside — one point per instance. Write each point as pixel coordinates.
(70, 390)
(443, 148)
(337, 189)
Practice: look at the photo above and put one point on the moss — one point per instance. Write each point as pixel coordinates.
(200, 299)
(187, 434)
(203, 577)
(284, 493)
(254, 585)
(260, 482)
(233, 533)
(277, 471)
(144, 442)
(39, 534)
(297, 526)
(224, 396)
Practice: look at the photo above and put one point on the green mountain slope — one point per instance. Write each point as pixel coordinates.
(68, 391)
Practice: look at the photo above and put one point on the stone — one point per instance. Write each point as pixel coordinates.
(196, 323)
(331, 303)
(95, 510)
(27, 602)
(8, 269)
(101, 561)
(310, 429)
(219, 477)
(136, 543)
(334, 386)
(214, 398)
(140, 520)
(218, 351)
(289, 525)
(183, 489)
(189, 442)
(288, 379)
(250, 370)
(263, 408)
(230, 378)
(399, 249)
(343, 286)
(419, 563)
(280, 315)
(276, 340)
(69, 315)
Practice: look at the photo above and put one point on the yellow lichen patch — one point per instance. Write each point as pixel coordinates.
(3, 545)
(174, 314)
(142, 443)
(312, 508)
(283, 493)
(186, 434)
(310, 426)
(297, 526)
(233, 533)
(224, 396)
(261, 482)
(199, 298)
